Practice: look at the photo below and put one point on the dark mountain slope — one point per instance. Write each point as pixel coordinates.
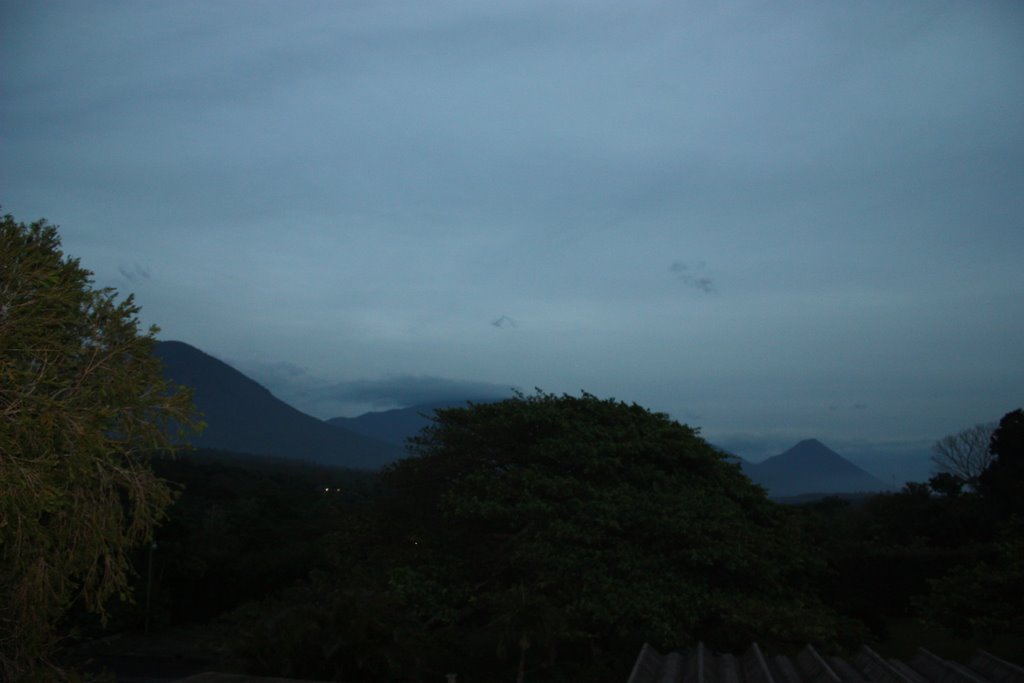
(394, 426)
(243, 416)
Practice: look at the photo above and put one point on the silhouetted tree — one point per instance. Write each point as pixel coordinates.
(625, 525)
(1007, 443)
(82, 399)
(964, 455)
(1003, 480)
(946, 484)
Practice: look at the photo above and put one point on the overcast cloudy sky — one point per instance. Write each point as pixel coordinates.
(773, 220)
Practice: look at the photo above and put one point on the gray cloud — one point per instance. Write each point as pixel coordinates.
(690, 275)
(313, 394)
(408, 390)
(288, 381)
(859, 405)
(279, 371)
(134, 273)
(504, 321)
(359, 187)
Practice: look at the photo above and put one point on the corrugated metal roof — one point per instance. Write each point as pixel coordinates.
(213, 677)
(701, 665)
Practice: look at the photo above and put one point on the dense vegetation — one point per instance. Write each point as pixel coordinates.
(577, 530)
(543, 537)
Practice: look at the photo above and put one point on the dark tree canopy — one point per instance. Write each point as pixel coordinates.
(548, 520)
(1003, 480)
(1007, 442)
(983, 599)
(82, 400)
(980, 597)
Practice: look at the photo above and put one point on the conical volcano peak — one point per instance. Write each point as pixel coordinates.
(811, 447)
(811, 466)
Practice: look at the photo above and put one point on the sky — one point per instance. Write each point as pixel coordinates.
(770, 220)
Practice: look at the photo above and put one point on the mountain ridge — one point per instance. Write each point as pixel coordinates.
(244, 416)
(398, 424)
(810, 466)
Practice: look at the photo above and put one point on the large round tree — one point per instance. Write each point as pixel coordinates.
(82, 403)
(1003, 481)
(581, 525)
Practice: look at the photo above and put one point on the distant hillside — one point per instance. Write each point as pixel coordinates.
(810, 467)
(394, 426)
(243, 416)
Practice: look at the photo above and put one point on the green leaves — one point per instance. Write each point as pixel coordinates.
(982, 599)
(82, 402)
